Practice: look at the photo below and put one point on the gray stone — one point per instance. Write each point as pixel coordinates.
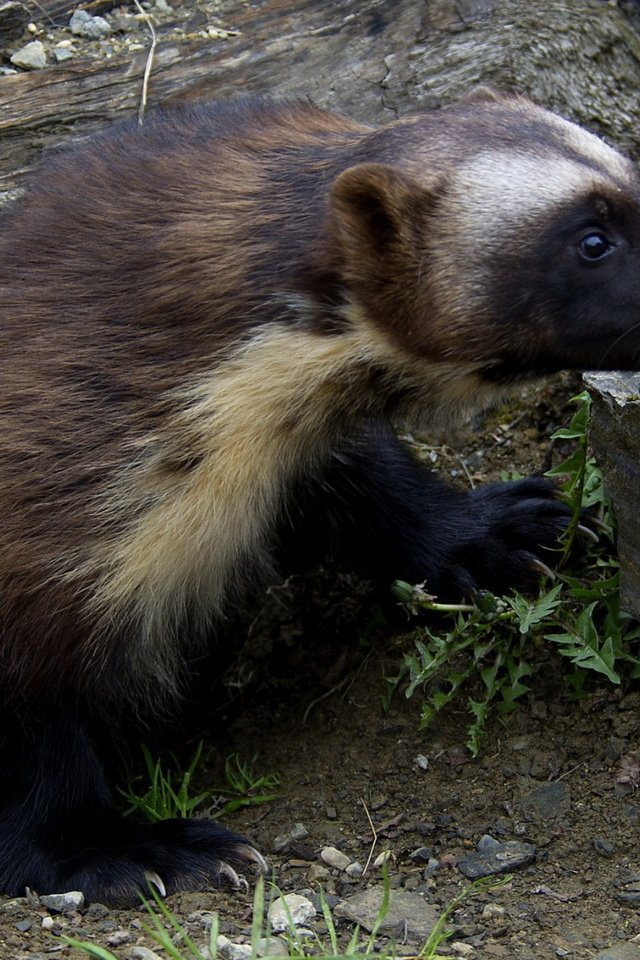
(62, 53)
(630, 892)
(61, 902)
(118, 937)
(82, 24)
(493, 857)
(409, 914)
(142, 953)
(290, 909)
(33, 56)
(461, 949)
(297, 833)
(620, 951)
(335, 858)
(433, 865)
(233, 951)
(493, 912)
(604, 847)
(421, 855)
(17, 905)
(550, 801)
(615, 436)
(271, 947)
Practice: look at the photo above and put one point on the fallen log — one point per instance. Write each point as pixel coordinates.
(373, 61)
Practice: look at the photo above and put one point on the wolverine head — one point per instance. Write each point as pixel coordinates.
(498, 234)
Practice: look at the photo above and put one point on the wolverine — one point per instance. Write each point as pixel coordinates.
(210, 325)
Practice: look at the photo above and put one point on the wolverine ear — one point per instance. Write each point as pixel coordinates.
(485, 94)
(377, 210)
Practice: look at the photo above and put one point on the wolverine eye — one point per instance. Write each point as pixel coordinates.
(594, 246)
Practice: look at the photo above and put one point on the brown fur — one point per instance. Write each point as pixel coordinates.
(190, 334)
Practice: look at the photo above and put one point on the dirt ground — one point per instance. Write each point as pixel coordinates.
(557, 774)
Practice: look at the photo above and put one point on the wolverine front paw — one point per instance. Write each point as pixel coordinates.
(513, 536)
(115, 862)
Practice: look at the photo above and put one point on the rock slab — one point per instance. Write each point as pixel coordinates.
(408, 915)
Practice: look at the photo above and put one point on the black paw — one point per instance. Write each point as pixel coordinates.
(512, 537)
(116, 862)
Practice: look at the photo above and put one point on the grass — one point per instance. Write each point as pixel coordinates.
(486, 650)
(166, 792)
(168, 933)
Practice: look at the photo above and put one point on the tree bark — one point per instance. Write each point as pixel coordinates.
(372, 60)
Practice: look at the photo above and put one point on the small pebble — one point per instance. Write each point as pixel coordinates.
(16, 905)
(382, 858)
(550, 801)
(82, 24)
(604, 847)
(271, 947)
(421, 855)
(142, 953)
(297, 833)
(630, 893)
(118, 937)
(48, 923)
(493, 857)
(62, 902)
(461, 949)
(493, 911)
(335, 858)
(33, 56)
(354, 870)
(97, 911)
(289, 909)
(229, 950)
(61, 54)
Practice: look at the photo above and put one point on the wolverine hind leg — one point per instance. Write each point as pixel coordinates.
(59, 831)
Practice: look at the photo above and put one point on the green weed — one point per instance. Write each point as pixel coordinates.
(492, 640)
(168, 793)
(244, 787)
(164, 798)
